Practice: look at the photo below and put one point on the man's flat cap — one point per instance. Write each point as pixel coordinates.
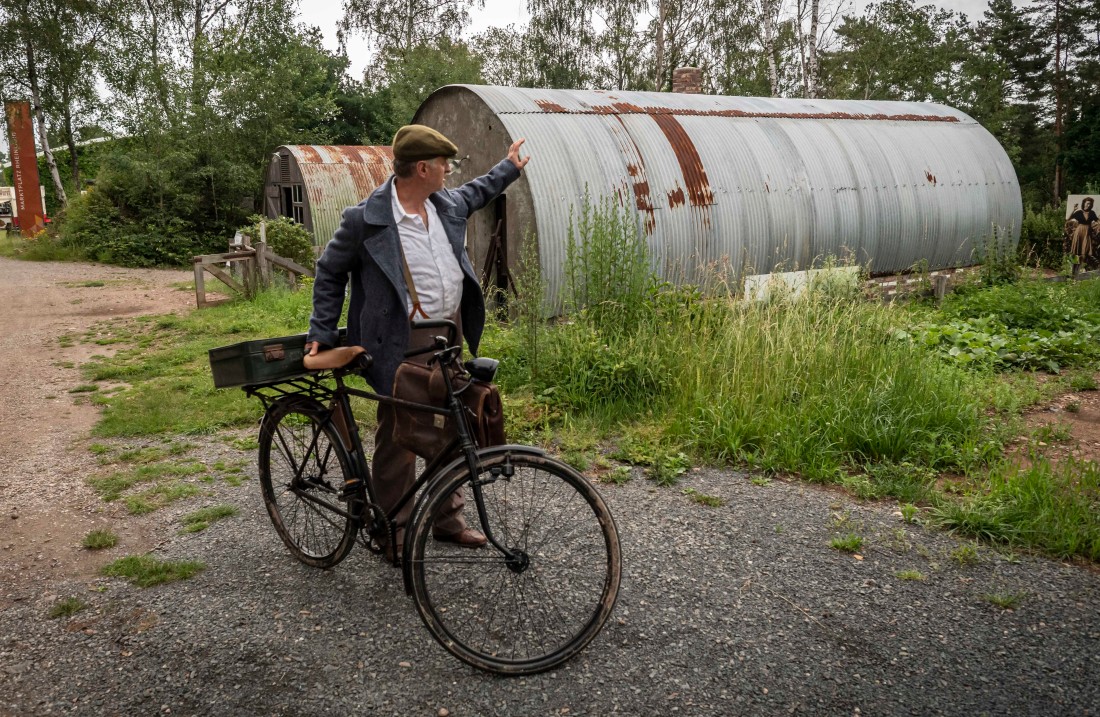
(415, 142)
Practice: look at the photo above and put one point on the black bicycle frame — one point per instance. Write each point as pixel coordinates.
(463, 443)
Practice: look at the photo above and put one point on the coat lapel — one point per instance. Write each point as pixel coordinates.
(382, 241)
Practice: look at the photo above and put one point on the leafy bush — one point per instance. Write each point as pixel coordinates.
(94, 226)
(1034, 325)
(157, 208)
(1041, 236)
(286, 237)
(998, 259)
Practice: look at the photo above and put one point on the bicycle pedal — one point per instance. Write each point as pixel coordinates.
(352, 489)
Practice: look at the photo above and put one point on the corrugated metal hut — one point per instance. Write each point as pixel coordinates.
(312, 184)
(757, 182)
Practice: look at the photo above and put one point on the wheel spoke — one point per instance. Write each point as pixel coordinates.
(530, 615)
(300, 457)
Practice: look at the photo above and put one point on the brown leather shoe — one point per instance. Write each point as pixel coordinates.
(465, 538)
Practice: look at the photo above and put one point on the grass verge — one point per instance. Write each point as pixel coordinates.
(100, 540)
(201, 519)
(146, 571)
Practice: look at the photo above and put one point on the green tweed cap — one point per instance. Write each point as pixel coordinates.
(415, 142)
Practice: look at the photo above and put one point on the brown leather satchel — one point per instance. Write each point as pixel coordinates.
(426, 434)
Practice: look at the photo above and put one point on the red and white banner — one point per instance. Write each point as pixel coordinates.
(24, 165)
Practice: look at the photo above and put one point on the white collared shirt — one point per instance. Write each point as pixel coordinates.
(432, 263)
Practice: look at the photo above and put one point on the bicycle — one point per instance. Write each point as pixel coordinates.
(540, 590)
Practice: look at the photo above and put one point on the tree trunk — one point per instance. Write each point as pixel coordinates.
(770, 31)
(70, 140)
(812, 65)
(660, 49)
(803, 47)
(40, 116)
(1059, 105)
(74, 163)
(158, 75)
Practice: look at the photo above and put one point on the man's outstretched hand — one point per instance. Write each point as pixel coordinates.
(513, 154)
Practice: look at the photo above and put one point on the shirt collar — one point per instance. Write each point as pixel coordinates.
(399, 212)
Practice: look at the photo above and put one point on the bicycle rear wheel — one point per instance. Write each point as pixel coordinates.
(532, 610)
(302, 467)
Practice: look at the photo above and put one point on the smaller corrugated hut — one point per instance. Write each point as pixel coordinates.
(312, 184)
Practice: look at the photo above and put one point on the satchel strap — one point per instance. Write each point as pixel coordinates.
(417, 308)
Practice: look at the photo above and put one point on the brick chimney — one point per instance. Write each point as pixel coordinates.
(687, 80)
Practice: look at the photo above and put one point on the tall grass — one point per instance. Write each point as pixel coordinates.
(808, 385)
(811, 386)
(1056, 509)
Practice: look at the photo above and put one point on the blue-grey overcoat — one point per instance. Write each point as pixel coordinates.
(366, 246)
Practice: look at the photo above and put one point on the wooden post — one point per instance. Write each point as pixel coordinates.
(200, 284)
(1076, 269)
(262, 268)
(939, 286)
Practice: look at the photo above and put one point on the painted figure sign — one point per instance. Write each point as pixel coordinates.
(1083, 227)
(24, 165)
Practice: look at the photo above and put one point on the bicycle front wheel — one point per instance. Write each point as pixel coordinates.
(302, 467)
(538, 605)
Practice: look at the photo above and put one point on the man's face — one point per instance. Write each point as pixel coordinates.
(435, 171)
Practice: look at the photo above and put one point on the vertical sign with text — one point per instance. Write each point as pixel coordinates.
(24, 164)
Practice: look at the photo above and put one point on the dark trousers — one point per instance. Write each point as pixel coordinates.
(393, 469)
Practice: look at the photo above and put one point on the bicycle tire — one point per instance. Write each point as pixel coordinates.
(305, 505)
(519, 620)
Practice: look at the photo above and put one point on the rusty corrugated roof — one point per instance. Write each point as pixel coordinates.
(335, 177)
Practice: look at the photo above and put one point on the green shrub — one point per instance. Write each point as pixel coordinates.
(1030, 324)
(998, 258)
(286, 237)
(156, 207)
(1041, 236)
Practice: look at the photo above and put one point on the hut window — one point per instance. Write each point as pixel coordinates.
(298, 212)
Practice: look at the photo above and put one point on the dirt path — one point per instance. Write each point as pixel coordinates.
(45, 506)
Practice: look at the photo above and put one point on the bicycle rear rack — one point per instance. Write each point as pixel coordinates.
(309, 386)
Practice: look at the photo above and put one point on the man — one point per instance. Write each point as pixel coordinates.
(411, 215)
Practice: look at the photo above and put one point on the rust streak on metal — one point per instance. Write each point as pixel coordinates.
(548, 106)
(676, 198)
(642, 200)
(930, 177)
(691, 164)
(310, 154)
(625, 108)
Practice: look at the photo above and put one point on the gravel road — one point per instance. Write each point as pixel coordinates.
(737, 609)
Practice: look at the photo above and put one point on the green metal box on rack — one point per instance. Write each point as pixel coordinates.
(251, 363)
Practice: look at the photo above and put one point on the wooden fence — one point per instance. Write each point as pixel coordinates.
(246, 269)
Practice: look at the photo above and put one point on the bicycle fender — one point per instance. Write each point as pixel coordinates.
(443, 474)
